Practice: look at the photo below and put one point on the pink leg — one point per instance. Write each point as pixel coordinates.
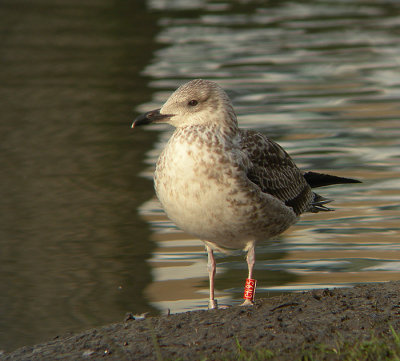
(211, 266)
(251, 260)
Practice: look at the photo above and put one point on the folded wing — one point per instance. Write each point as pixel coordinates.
(274, 171)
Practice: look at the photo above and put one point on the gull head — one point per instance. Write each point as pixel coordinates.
(198, 102)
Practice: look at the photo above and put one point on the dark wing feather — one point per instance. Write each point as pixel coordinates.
(316, 180)
(274, 171)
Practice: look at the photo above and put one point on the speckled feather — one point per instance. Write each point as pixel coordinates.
(227, 186)
(274, 171)
(201, 181)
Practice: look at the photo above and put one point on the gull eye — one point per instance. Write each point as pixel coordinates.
(193, 102)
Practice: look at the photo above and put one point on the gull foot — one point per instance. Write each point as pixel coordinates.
(212, 304)
(247, 303)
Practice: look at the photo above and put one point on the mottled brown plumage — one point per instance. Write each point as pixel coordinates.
(274, 171)
(229, 187)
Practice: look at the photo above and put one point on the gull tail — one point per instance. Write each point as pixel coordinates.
(316, 180)
(318, 204)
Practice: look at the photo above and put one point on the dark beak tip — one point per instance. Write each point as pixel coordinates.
(152, 116)
(142, 119)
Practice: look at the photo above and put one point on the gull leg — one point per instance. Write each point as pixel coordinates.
(251, 260)
(211, 266)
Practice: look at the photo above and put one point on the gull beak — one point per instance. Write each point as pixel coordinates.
(153, 116)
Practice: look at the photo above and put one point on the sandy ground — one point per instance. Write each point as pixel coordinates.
(285, 325)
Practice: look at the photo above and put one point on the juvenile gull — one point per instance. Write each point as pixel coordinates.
(227, 186)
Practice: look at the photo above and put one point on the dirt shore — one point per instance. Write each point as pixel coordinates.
(285, 325)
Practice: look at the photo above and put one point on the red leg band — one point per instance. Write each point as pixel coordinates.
(249, 289)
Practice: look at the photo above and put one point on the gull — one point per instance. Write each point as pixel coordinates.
(227, 186)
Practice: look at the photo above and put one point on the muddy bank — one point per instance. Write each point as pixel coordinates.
(284, 324)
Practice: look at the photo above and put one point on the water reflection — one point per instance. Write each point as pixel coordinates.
(72, 247)
(323, 79)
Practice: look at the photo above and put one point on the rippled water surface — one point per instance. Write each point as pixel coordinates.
(321, 78)
(83, 239)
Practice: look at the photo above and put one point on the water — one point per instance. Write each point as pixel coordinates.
(82, 238)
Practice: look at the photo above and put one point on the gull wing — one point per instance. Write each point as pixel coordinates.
(274, 171)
